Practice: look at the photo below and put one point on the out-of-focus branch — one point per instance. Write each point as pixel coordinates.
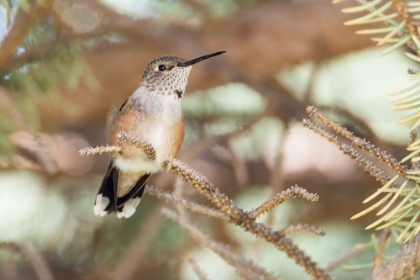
(37, 261)
(353, 253)
(381, 250)
(261, 29)
(247, 269)
(136, 251)
(195, 207)
(41, 152)
(197, 269)
(22, 23)
(236, 215)
(404, 265)
(279, 198)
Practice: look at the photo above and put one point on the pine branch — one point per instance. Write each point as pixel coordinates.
(21, 25)
(241, 219)
(195, 207)
(282, 197)
(404, 265)
(37, 261)
(353, 253)
(98, 150)
(363, 144)
(368, 166)
(304, 228)
(403, 12)
(246, 269)
(197, 269)
(235, 214)
(15, 114)
(381, 250)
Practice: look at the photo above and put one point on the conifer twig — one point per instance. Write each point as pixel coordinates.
(381, 250)
(368, 166)
(197, 269)
(246, 269)
(145, 147)
(41, 152)
(304, 228)
(235, 215)
(137, 250)
(353, 253)
(403, 265)
(282, 197)
(37, 261)
(403, 12)
(241, 219)
(98, 150)
(195, 207)
(363, 144)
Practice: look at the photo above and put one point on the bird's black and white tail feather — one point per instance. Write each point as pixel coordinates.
(107, 200)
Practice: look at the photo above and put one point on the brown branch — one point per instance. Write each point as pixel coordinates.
(400, 33)
(404, 265)
(9, 268)
(198, 208)
(241, 219)
(236, 215)
(353, 253)
(197, 269)
(304, 228)
(41, 152)
(137, 249)
(381, 250)
(98, 150)
(239, 167)
(403, 12)
(145, 147)
(246, 269)
(349, 150)
(292, 192)
(363, 144)
(22, 23)
(37, 261)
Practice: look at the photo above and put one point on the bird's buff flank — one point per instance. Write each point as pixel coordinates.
(151, 114)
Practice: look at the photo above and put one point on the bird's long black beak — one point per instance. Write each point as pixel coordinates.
(198, 59)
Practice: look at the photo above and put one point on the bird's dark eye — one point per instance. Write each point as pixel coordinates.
(161, 67)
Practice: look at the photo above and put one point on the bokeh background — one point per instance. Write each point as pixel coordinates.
(65, 63)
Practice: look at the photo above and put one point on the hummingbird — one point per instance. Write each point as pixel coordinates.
(152, 114)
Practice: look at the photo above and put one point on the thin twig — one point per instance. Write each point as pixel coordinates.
(197, 269)
(241, 219)
(363, 144)
(41, 153)
(245, 268)
(304, 228)
(236, 215)
(136, 251)
(37, 261)
(381, 250)
(145, 147)
(349, 150)
(21, 25)
(400, 33)
(282, 197)
(198, 208)
(98, 150)
(408, 18)
(403, 265)
(353, 253)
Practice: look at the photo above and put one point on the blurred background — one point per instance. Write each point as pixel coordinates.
(65, 64)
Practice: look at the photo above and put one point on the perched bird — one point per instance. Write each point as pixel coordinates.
(151, 114)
